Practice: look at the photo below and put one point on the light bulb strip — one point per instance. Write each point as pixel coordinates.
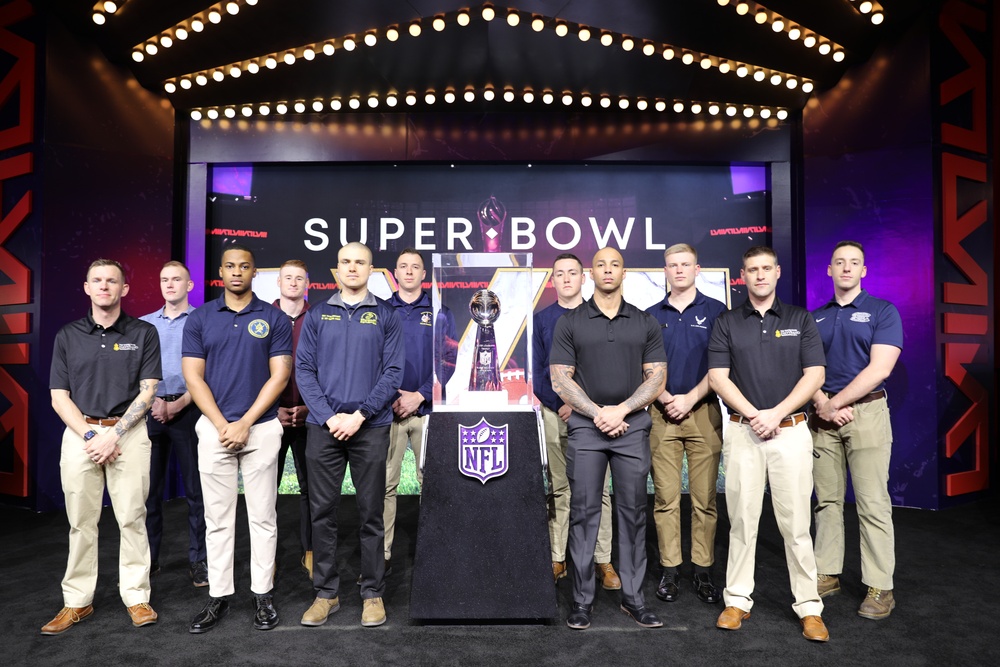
(870, 8)
(190, 26)
(777, 23)
(105, 9)
(462, 17)
(495, 96)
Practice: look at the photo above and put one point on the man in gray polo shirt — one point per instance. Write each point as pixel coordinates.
(766, 361)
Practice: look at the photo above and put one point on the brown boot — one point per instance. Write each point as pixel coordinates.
(609, 578)
(878, 604)
(558, 570)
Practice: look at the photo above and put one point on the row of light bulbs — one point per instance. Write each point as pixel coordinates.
(102, 8)
(779, 23)
(370, 39)
(489, 94)
(873, 8)
(794, 31)
(196, 23)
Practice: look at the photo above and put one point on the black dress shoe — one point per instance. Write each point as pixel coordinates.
(209, 617)
(579, 616)
(668, 589)
(706, 590)
(265, 616)
(199, 573)
(644, 616)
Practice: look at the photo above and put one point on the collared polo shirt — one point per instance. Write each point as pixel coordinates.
(765, 355)
(607, 354)
(350, 357)
(848, 333)
(543, 329)
(417, 321)
(291, 397)
(237, 348)
(171, 332)
(685, 339)
(101, 366)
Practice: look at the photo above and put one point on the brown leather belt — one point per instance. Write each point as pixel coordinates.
(102, 421)
(787, 422)
(874, 396)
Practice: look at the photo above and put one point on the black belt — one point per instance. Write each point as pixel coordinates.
(170, 398)
(787, 422)
(874, 396)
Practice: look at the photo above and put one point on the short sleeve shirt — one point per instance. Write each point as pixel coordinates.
(765, 355)
(171, 332)
(607, 354)
(848, 333)
(101, 366)
(685, 339)
(237, 348)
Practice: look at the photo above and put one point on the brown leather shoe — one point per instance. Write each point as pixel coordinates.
(66, 619)
(609, 578)
(827, 585)
(878, 604)
(814, 630)
(732, 618)
(142, 614)
(558, 570)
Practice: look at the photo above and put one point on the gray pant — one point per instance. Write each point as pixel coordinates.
(587, 459)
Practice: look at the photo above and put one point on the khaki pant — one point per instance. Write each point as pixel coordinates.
(403, 432)
(83, 483)
(784, 463)
(699, 436)
(864, 445)
(559, 495)
(220, 468)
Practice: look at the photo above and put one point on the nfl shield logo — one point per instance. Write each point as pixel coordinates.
(482, 450)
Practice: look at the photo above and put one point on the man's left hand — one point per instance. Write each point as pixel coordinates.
(766, 424)
(103, 448)
(346, 424)
(679, 406)
(610, 417)
(407, 404)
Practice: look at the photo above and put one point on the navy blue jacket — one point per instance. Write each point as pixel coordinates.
(417, 320)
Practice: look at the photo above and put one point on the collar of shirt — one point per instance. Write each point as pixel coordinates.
(593, 311)
(162, 313)
(255, 304)
(119, 324)
(859, 301)
(338, 300)
(423, 301)
(749, 310)
(305, 307)
(699, 299)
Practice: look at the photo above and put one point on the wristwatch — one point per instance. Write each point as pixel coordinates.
(89, 435)
(367, 414)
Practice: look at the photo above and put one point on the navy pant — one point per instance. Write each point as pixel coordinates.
(327, 459)
(294, 438)
(179, 437)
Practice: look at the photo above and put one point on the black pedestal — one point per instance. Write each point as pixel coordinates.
(482, 547)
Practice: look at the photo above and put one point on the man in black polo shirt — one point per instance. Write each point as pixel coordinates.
(607, 363)
(105, 368)
(765, 361)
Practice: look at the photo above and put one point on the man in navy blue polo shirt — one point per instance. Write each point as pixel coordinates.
(105, 368)
(608, 364)
(567, 280)
(348, 365)
(765, 359)
(862, 337)
(412, 402)
(686, 421)
(170, 423)
(236, 358)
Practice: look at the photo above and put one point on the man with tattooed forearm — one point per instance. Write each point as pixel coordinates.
(608, 364)
(105, 369)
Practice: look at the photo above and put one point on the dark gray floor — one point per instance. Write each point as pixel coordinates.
(947, 567)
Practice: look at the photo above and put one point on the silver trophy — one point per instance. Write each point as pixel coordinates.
(492, 214)
(485, 309)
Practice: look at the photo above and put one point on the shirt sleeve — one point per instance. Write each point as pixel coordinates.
(151, 368)
(563, 352)
(281, 335)
(393, 358)
(59, 372)
(888, 327)
(718, 345)
(811, 350)
(307, 372)
(654, 352)
(191, 341)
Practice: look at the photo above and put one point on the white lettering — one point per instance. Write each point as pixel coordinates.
(649, 237)
(343, 231)
(384, 231)
(419, 233)
(602, 241)
(463, 236)
(517, 232)
(324, 240)
(562, 220)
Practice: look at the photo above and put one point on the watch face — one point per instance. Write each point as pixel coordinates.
(89, 435)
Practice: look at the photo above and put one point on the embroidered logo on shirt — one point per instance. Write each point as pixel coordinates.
(425, 318)
(128, 347)
(781, 333)
(820, 320)
(368, 317)
(259, 328)
(861, 317)
(330, 318)
(699, 322)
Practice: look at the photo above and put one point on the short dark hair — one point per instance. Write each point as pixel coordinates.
(849, 244)
(240, 247)
(568, 255)
(411, 251)
(106, 262)
(757, 250)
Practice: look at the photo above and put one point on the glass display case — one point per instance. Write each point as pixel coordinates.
(483, 305)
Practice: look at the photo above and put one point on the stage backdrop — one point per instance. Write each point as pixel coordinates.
(308, 211)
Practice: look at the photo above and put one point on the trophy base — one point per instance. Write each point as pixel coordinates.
(483, 400)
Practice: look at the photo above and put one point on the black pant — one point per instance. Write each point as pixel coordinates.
(588, 454)
(177, 435)
(294, 438)
(327, 459)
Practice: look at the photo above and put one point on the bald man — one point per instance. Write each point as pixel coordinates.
(608, 364)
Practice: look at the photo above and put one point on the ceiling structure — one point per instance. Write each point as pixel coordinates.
(277, 57)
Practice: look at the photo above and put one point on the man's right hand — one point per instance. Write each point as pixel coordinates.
(564, 412)
(159, 410)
